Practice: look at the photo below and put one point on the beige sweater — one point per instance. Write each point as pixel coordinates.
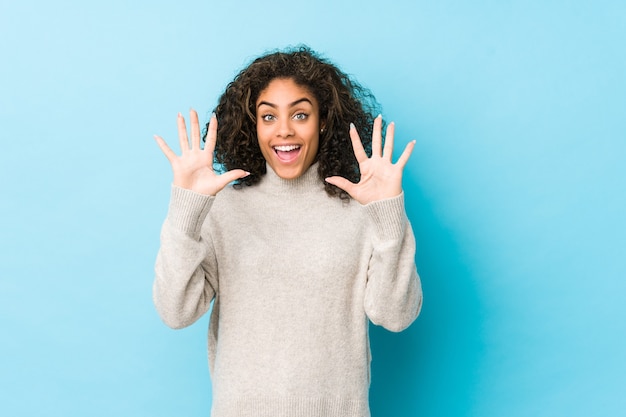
(295, 275)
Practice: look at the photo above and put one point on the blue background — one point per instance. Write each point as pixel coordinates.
(516, 191)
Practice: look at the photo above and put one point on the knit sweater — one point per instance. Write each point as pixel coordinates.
(294, 275)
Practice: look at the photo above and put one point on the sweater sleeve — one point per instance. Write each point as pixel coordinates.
(186, 270)
(393, 295)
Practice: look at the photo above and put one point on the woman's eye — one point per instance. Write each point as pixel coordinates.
(267, 117)
(300, 116)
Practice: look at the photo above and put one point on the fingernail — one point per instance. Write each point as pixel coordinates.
(352, 126)
(380, 116)
(180, 115)
(247, 173)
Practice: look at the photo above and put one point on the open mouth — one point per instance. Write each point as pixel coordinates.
(287, 153)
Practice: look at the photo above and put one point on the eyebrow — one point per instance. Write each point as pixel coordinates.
(290, 104)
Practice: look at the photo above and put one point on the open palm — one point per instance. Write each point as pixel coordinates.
(380, 177)
(193, 169)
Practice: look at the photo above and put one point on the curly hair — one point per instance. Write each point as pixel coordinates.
(341, 101)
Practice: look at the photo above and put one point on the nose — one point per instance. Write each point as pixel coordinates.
(284, 128)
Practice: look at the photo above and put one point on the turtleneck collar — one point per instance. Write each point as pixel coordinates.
(307, 182)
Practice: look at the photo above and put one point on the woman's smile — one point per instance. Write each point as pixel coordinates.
(287, 153)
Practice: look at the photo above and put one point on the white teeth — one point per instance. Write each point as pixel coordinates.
(286, 148)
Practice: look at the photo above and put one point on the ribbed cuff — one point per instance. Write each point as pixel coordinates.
(188, 210)
(388, 216)
(290, 407)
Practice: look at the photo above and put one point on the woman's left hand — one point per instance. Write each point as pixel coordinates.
(380, 178)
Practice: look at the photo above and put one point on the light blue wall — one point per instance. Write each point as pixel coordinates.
(516, 192)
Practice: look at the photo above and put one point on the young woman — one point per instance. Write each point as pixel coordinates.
(309, 243)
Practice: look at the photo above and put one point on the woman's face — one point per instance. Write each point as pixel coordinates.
(287, 126)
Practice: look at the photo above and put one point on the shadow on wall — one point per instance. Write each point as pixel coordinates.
(430, 369)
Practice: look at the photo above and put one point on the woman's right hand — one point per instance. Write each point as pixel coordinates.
(193, 169)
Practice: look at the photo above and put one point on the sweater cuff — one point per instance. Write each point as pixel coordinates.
(388, 216)
(188, 210)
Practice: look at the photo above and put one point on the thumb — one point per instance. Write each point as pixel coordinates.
(342, 183)
(231, 176)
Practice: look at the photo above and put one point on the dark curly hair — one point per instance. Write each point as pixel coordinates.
(341, 101)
